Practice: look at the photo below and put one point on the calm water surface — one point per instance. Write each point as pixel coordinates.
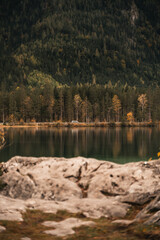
(112, 144)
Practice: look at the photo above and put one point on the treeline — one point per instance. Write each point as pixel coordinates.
(73, 41)
(84, 103)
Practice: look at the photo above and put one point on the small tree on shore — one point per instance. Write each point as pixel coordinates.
(130, 117)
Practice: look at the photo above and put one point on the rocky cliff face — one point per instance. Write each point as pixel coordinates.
(96, 188)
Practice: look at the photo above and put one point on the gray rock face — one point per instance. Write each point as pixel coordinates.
(96, 188)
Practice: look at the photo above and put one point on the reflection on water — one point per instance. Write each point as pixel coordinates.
(114, 144)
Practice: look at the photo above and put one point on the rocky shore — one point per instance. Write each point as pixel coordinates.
(94, 188)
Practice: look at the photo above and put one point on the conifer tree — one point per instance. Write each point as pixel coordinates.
(77, 103)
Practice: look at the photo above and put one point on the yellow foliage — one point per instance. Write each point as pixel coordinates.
(1, 132)
(130, 117)
(33, 120)
(12, 118)
(116, 103)
(2, 138)
(123, 64)
(158, 154)
(116, 106)
(33, 60)
(21, 121)
(87, 37)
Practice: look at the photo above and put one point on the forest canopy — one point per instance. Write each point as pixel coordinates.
(80, 41)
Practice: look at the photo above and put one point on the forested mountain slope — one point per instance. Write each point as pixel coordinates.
(80, 41)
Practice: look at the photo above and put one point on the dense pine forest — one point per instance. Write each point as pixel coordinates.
(83, 102)
(80, 41)
(80, 59)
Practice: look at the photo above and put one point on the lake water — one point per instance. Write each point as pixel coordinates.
(118, 145)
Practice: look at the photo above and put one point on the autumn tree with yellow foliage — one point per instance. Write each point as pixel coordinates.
(130, 117)
(116, 106)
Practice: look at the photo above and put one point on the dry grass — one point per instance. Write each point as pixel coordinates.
(104, 230)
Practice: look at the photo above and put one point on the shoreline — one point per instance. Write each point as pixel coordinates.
(79, 124)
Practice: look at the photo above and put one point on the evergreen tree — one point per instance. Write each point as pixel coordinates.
(77, 103)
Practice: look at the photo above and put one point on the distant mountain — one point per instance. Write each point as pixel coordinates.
(80, 41)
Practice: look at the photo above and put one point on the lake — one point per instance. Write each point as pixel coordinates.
(118, 145)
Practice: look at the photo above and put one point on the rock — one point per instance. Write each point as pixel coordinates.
(148, 211)
(2, 228)
(136, 198)
(10, 209)
(123, 222)
(96, 208)
(61, 179)
(25, 181)
(96, 188)
(93, 208)
(154, 219)
(121, 180)
(25, 238)
(65, 227)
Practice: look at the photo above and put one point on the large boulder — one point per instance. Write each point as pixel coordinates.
(96, 188)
